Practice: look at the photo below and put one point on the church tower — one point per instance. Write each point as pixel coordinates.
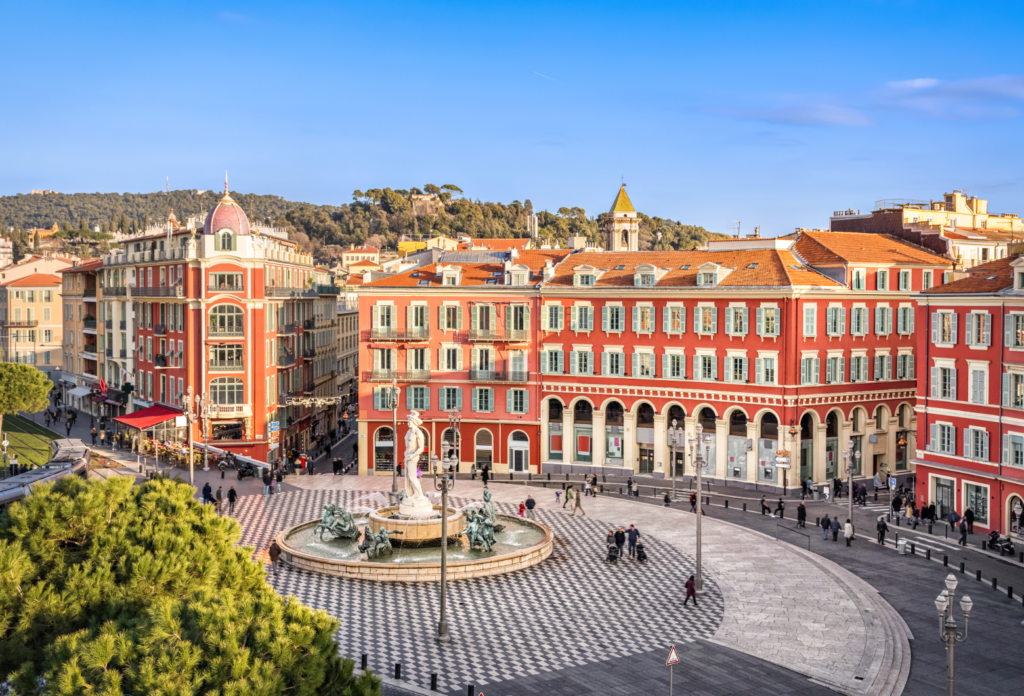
(621, 225)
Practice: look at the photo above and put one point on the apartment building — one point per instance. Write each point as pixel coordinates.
(30, 315)
(81, 347)
(347, 309)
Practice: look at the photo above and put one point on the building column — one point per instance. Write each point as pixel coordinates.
(629, 452)
(819, 453)
(363, 443)
(660, 445)
(597, 448)
(721, 447)
(752, 460)
(544, 439)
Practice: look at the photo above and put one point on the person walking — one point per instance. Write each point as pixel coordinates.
(578, 500)
(848, 531)
(810, 486)
(629, 487)
(275, 553)
(963, 532)
(620, 540)
(780, 510)
(803, 490)
(593, 486)
(693, 502)
(691, 592)
(633, 536)
(46, 418)
(969, 519)
(232, 497)
(67, 427)
(569, 495)
(530, 504)
(207, 493)
(826, 523)
(667, 500)
(279, 477)
(103, 436)
(882, 528)
(801, 515)
(220, 499)
(764, 506)
(522, 508)
(272, 482)
(485, 474)
(266, 483)
(92, 434)
(835, 528)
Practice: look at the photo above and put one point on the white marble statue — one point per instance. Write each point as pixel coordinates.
(414, 504)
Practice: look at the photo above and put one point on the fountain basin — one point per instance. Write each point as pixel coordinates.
(416, 531)
(524, 543)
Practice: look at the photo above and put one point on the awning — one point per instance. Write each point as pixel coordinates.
(114, 403)
(80, 391)
(67, 380)
(98, 399)
(148, 417)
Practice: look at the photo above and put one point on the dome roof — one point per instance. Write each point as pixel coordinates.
(227, 214)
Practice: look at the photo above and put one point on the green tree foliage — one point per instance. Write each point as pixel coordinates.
(22, 388)
(109, 588)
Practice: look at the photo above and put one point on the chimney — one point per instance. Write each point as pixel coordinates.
(351, 247)
(549, 270)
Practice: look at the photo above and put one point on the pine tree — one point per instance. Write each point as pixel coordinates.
(111, 588)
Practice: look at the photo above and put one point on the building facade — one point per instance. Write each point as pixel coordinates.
(30, 314)
(347, 309)
(80, 372)
(971, 396)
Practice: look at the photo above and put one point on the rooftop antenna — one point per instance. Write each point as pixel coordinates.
(737, 229)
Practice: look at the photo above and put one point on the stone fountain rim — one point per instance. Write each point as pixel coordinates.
(544, 546)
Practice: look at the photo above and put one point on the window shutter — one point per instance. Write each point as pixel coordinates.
(953, 384)
(745, 377)
(682, 320)
(879, 322)
(729, 323)
(604, 363)
(969, 329)
(842, 370)
(728, 369)
(490, 399)
(933, 442)
(572, 362)
(696, 319)
(441, 403)
(458, 399)
(714, 320)
(474, 400)
(459, 318)
(440, 319)
(636, 365)
(508, 400)
(714, 367)
(1008, 331)
(967, 443)
(576, 279)
(376, 359)
(376, 399)
(682, 367)
(901, 321)
(544, 322)
(636, 319)
(604, 318)
(1006, 390)
(561, 361)
(760, 321)
(426, 398)
(665, 314)
(590, 362)
(809, 321)
(830, 370)
(526, 318)
(544, 362)
(805, 371)
(888, 367)
(758, 371)
(526, 400)
(665, 367)
(1006, 449)
(816, 371)
(986, 324)
(696, 367)
(375, 321)
(842, 320)
(590, 318)
(573, 315)
(911, 360)
(408, 397)
(956, 334)
(408, 317)
(910, 319)
(935, 327)
(888, 320)
(459, 359)
(878, 367)
(474, 313)
(984, 446)
(934, 391)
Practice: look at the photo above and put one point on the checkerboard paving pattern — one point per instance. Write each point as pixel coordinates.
(572, 610)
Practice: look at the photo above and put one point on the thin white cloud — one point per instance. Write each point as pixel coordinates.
(803, 115)
(545, 76)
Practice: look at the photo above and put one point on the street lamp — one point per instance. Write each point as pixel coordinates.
(445, 484)
(698, 464)
(205, 412)
(947, 625)
(676, 439)
(393, 395)
(190, 418)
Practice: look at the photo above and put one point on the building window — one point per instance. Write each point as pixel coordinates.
(451, 399)
(944, 327)
(419, 398)
(585, 279)
(904, 281)
(882, 280)
(707, 279)
(675, 320)
(518, 401)
(676, 366)
(976, 444)
(225, 281)
(905, 320)
(947, 439)
(834, 370)
(643, 364)
(417, 358)
(810, 369)
(1013, 390)
(978, 386)
(227, 320)
(706, 320)
(613, 364)
(859, 276)
(483, 400)
(582, 318)
(614, 318)
(735, 369)
(556, 317)
(580, 362)
(1015, 329)
(835, 321)
(905, 366)
(944, 383)
(976, 498)
(227, 390)
(979, 329)
(858, 368)
(926, 280)
(706, 367)
(858, 321)
(766, 371)
(451, 317)
(736, 321)
(1013, 450)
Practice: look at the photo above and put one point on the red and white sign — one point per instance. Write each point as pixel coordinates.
(673, 657)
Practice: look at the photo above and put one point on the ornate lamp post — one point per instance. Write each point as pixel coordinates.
(190, 418)
(449, 465)
(205, 413)
(698, 465)
(676, 439)
(393, 395)
(947, 625)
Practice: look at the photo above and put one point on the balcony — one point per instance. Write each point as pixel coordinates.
(159, 329)
(290, 293)
(220, 410)
(227, 365)
(174, 291)
(328, 290)
(309, 387)
(89, 324)
(498, 375)
(226, 287)
(123, 354)
(309, 324)
(285, 360)
(160, 361)
(25, 323)
(89, 292)
(309, 353)
(226, 331)
(502, 334)
(109, 324)
(399, 375)
(115, 292)
(109, 352)
(89, 352)
(389, 334)
(285, 329)
(124, 324)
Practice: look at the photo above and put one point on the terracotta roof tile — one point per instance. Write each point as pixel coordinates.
(473, 273)
(36, 280)
(982, 234)
(830, 248)
(989, 277)
(83, 267)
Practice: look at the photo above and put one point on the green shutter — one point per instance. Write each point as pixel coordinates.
(458, 399)
(636, 365)
(572, 362)
(459, 327)
(376, 399)
(508, 400)
(604, 318)
(636, 319)
(474, 313)
(604, 363)
(665, 314)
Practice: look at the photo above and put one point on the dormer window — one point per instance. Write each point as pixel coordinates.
(1020, 281)
(706, 278)
(225, 241)
(585, 279)
(519, 278)
(451, 280)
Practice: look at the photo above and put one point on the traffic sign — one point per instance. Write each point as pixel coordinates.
(782, 460)
(673, 657)
(892, 482)
(274, 425)
(784, 466)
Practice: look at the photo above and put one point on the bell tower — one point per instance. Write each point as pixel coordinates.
(621, 225)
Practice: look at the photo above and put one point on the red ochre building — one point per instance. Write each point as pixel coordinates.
(971, 395)
(235, 312)
(578, 361)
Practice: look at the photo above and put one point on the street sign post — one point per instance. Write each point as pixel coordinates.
(673, 660)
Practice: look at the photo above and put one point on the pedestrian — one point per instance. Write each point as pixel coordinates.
(278, 477)
(569, 493)
(485, 473)
(586, 486)
(220, 499)
(620, 540)
(232, 497)
(917, 517)
(953, 517)
(825, 524)
(882, 528)
(629, 487)
(312, 467)
(780, 510)
(275, 553)
(837, 484)
(848, 532)
(92, 434)
(522, 508)
(691, 592)
(633, 536)
(969, 519)
(801, 515)
(897, 503)
(207, 493)
(272, 482)
(764, 506)
(558, 497)
(810, 486)
(103, 436)
(46, 417)
(578, 499)
(693, 502)
(266, 483)
(530, 504)
(803, 490)
(667, 500)
(963, 532)
(835, 528)
(67, 427)
(593, 487)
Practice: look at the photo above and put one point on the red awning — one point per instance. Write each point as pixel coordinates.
(148, 417)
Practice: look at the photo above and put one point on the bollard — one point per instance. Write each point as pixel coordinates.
(961, 566)
(510, 476)
(913, 550)
(817, 521)
(945, 561)
(727, 503)
(876, 495)
(604, 478)
(398, 670)
(222, 474)
(897, 521)
(929, 527)
(364, 662)
(928, 554)
(549, 476)
(567, 477)
(994, 584)
(433, 682)
(472, 690)
(563, 486)
(982, 544)
(978, 575)
(744, 507)
(620, 490)
(946, 529)
(1009, 591)
(529, 477)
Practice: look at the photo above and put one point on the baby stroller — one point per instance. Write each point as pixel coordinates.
(641, 555)
(613, 554)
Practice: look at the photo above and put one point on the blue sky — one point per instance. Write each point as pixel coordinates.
(775, 114)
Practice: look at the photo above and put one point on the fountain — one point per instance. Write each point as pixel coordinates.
(480, 542)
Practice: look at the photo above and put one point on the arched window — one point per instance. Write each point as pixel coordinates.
(707, 419)
(676, 413)
(583, 412)
(225, 240)
(225, 391)
(484, 451)
(738, 424)
(614, 414)
(518, 451)
(554, 410)
(383, 449)
(227, 320)
(769, 426)
(645, 415)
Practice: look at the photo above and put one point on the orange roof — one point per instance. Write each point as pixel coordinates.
(501, 244)
(36, 280)
(473, 273)
(981, 234)
(984, 279)
(749, 267)
(830, 248)
(365, 248)
(357, 264)
(88, 266)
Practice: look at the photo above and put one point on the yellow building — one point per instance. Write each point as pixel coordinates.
(82, 345)
(30, 316)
